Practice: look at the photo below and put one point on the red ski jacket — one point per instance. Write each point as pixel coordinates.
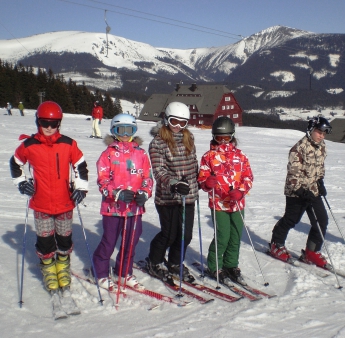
(50, 160)
(97, 112)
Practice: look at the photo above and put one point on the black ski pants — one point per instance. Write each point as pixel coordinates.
(294, 210)
(170, 236)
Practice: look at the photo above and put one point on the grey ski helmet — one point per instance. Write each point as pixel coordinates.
(223, 126)
(123, 125)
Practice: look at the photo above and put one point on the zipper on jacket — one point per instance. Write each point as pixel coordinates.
(58, 165)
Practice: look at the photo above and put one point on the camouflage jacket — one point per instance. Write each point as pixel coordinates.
(306, 166)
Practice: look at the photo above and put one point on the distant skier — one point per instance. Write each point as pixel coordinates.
(304, 187)
(9, 107)
(52, 159)
(97, 115)
(21, 108)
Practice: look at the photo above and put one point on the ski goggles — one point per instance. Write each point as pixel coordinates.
(325, 128)
(48, 123)
(124, 130)
(175, 122)
(223, 138)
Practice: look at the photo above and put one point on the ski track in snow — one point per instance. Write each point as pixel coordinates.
(306, 305)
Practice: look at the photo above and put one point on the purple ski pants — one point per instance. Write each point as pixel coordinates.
(112, 228)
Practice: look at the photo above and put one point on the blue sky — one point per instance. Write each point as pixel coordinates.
(224, 20)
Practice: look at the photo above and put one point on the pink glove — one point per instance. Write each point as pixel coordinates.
(211, 182)
(235, 195)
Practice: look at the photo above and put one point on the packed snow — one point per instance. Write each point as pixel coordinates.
(306, 305)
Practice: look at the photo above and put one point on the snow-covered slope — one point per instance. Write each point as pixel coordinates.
(306, 305)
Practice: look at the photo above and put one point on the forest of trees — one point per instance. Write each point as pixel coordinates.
(19, 83)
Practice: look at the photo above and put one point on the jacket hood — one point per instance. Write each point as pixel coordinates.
(109, 139)
(154, 130)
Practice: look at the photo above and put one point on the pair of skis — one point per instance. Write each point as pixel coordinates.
(146, 292)
(252, 294)
(63, 304)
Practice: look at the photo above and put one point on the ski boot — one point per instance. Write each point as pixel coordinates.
(280, 252)
(313, 257)
(63, 271)
(174, 269)
(222, 277)
(50, 278)
(235, 275)
(159, 271)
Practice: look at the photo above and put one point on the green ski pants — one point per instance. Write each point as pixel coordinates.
(229, 233)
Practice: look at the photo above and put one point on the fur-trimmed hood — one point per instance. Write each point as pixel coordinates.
(109, 139)
(154, 130)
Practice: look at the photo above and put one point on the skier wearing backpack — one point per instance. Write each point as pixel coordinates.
(175, 168)
(53, 158)
(226, 175)
(125, 182)
(304, 187)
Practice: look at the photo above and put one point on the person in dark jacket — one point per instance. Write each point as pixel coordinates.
(55, 163)
(175, 169)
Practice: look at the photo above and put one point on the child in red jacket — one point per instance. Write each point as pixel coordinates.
(51, 156)
(226, 175)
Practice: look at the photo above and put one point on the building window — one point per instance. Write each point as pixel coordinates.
(194, 117)
(201, 115)
(228, 116)
(201, 122)
(227, 107)
(145, 114)
(155, 114)
(232, 106)
(223, 107)
(235, 116)
(227, 98)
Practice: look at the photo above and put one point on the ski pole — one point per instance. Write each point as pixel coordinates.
(324, 243)
(251, 242)
(121, 259)
(131, 246)
(200, 239)
(215, 237)
(329, 207)
(88, 250)
(23, 254)
(182, 243)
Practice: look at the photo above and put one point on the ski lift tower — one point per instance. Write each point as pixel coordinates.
(107, 29)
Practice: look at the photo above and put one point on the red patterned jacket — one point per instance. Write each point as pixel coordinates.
(232, 169)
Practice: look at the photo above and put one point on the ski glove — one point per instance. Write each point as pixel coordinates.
(322, 188)
(181, 187)
(211, 182)
(235, 195)
(140, 198)
(305, 195)
(125, 195)
(26, 187)
(78, 195)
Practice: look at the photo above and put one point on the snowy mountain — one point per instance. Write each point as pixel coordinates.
(277, 58)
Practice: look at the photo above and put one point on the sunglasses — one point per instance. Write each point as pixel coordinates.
(175, 122)
(222, 138)
(124, 130)
(49, 123)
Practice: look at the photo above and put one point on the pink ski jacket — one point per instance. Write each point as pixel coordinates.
(123, 165)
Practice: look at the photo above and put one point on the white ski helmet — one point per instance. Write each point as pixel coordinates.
(123, 125)
(177, 109)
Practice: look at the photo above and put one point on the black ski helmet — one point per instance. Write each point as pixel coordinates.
(320, 123)
(223, 125)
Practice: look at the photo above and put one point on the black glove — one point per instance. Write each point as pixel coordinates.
(26, 187)
(305, 195)
(140, 198)
(78, 195)
(125, 195)
(181, 187)
(322, 188)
